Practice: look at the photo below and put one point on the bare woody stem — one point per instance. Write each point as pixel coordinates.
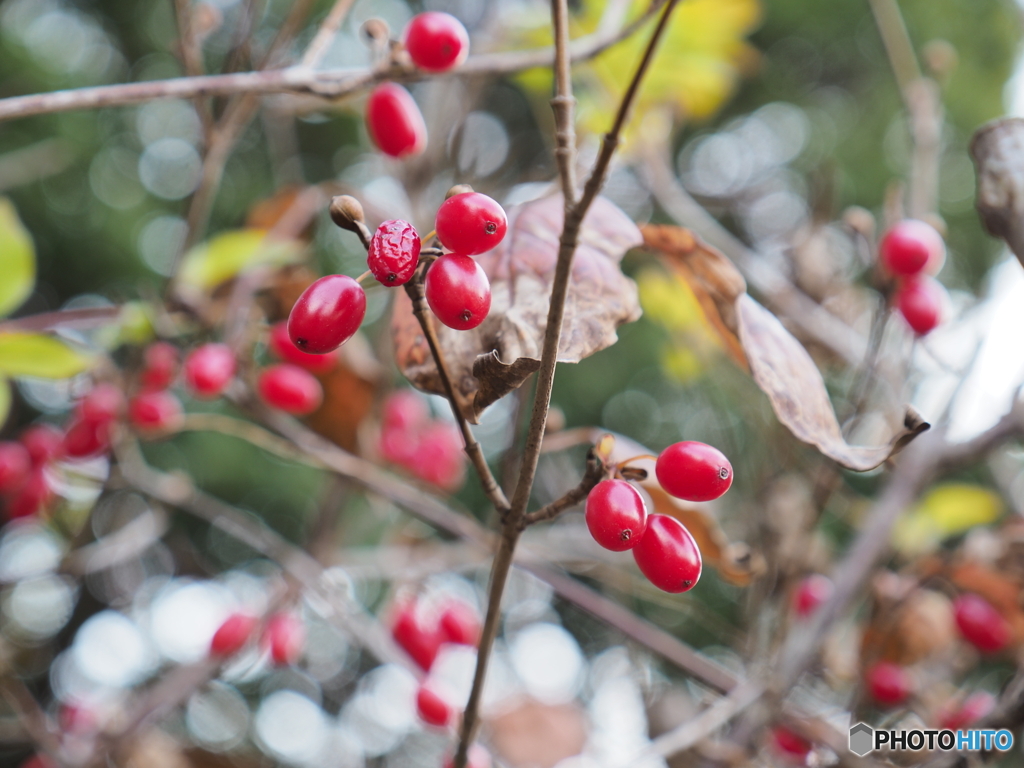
(595, 473)
(574, 214)
(414, 289)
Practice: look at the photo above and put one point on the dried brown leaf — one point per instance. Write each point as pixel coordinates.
(785, 372)
(498, 356)
(998, 152)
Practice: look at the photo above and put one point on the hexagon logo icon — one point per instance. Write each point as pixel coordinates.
(862, 737)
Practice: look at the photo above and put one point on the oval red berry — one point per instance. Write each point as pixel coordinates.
(284, 637)
(470, 223)
(790, 743)
(209, 369)
(910, 247)
(158, 410)
(327, 314)
(31, 497)
(394, 252)
(436, 41)
(616, 515)
(693, 471)
(44, 443)
(160, 363)
(432, 708)
(981, 624)
(101, 405)
(458, 291)
(290, 389)
(15, 463)
(919, 300)
(281, 344)
(667, 555)
(395, 122)
(811, 593)
(888, 683)
(233, 634)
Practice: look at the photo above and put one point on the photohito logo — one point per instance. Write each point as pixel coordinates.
(865, 739)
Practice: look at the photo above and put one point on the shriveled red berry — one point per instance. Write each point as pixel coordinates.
(470, 223)
(432, 709)
(15, 463)
(616, 515)
(981, 624)
(791, 744)
(889, 684)
(439, 458)
(459, 624)
(910, 246)
(667, 554)
(811, 593)
(155, 411)
(327, 314)
(159, 365)
(436, 41)
(395, 122)
(101, 405)
(458, 291)
(85, 439)
(44, 443)
(209, 369)
(957, 715)
(281, 344)
(31, 498)
(285, 637)
(476, 757)
(290, 389)
(394, 252)
(233, 635)
(919, 300)
(419, 641)
(693, 471)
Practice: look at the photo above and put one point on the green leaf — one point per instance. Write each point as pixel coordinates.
(35, 354)
(17, 259)
(5, 401)
(224, 256)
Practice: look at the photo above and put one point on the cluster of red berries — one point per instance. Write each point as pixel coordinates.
(663, 548)
(421, 632)
(283, 637)
(330, 311)
(911, 251)
(436, 42)
(431, 449)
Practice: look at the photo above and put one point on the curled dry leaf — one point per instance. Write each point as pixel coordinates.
(780, 364)
(998, 152)
(498, 356)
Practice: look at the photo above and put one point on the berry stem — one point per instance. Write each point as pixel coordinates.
(427, 237)
(596, 472)
(622, 464)
(364, 277)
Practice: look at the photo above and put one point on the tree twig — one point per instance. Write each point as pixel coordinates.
(325, 34)
(594, 474)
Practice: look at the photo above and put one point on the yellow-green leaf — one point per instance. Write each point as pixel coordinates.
(35, 354)
(5, 401)
(224, 256)
(946, 510)
(17, 259)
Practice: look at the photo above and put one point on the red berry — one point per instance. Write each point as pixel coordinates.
(420, 642)
(458, 291)
(394, 252)
(101, 405)
(432, 708)
(233, 634)
(160, 362)
(37, 761)
(281, 344)
(919, 300)
(15, 463)
(327, 314)
(470, 223)
(439, 457)
(811, 593)
(459, 624)
(888, 683)
(86, 439)
(76, 717)
(667, 554)
(911, 246)
(693, 471)
(476, 757)
(791, 744)
(399, 446)
(404, 410)
(436, 41)
(290, 389)
(157, 410)
(32, 497)
(395, 122)
(616, 515)
(284, 636)
(44, 443)
(981, 624)
(209, 369)
(957, 715)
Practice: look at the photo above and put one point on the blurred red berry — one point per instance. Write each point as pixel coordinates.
(285, 637)
(85, 439)
(395, 122)
(919, 300)
(233, 635)
(439, 457)
(791, 744)
(910, 246)
(958, 715)
(31, 498)
(156, 410)
(15, 463)
(693, 471)
(811, 593)
(209, 369)
(283, 347)
(290, 389)
(404, 410)
(889, 684)
(432, 708)
(981, 624)
(436, 41)
(101, 405)
(159, 365)
(44, 443)
(459, 624)
(420, 642)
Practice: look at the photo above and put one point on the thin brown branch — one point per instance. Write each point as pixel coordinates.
(325, 34)
(896, 40)
(414, 288)
(594, 474)
(564, 105)
(192, 59)
(79, 319)
(31, 716)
